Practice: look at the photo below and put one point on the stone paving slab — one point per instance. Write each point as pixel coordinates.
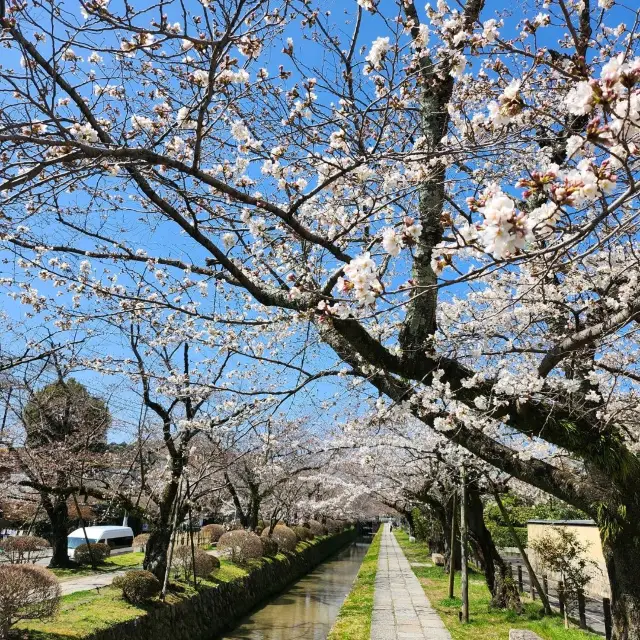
(87, 583)
(401, 610)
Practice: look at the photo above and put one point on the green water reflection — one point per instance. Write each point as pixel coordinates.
(309, 608)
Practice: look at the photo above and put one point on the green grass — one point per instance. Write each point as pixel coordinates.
(354, 619)
(83, 613)
(115, 563)
(86, 612)
(485, 623)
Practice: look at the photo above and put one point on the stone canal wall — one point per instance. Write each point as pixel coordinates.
(215, 610)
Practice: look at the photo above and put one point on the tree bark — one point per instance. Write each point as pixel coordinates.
(448, 522)
(622, 556)
(58, 515)
(504, 591)
(156, 550)
(532, 574)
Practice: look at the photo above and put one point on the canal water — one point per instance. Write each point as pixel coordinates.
(309, 608)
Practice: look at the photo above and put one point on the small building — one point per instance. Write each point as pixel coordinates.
(588, 534)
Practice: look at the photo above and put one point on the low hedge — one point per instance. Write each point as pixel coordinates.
(138, 586)
(303, 533)
(284, 536)
(99, 551)
(502, 536)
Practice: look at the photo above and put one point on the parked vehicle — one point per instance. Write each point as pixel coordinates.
(116, 537)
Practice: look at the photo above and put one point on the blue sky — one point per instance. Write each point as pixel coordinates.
(123, 402)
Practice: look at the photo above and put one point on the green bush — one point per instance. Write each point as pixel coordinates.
(502, 536)
(317, 528)
(333, 526)
(206, 564)
(284, 536)
(303, 533)
(212, 532)
(269, 547)
(27, 592)
(24, 549)
(138, 586)
(241, 545)
(99, 551)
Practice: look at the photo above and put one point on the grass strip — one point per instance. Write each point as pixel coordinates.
(132, 560)
(485, 623)
(354, 618)
(86, 612)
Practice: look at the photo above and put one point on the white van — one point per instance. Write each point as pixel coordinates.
(115, 537)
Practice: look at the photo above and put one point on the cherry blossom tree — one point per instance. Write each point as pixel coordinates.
(409, 473)
(60, 443)
(445, 198)
(265, 476)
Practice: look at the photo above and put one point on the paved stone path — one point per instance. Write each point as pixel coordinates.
(401, 610)
(87, 583)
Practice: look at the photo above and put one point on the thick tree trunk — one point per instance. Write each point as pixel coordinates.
(409, 516)
(504, 591)
(446, 525)
(254, 512)
(622, 555)
(156, 551)
(58, 515)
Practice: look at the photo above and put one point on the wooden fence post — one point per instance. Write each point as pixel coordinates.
(582, 609)
(608, 626)
(561, 597)
(520, 583)
(545, 585)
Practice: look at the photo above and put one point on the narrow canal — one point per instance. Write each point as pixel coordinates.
(309, 608)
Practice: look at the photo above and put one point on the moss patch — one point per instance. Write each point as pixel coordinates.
(354, 618)
(115, 563)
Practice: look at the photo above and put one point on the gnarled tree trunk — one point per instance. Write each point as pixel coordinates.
(504, 591)
(622, 556)
(157, 549)
(58, 515)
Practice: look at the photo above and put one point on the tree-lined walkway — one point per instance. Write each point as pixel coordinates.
(401, 610)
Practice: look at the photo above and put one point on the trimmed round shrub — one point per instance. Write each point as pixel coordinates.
(141, 540)
(241, 545)
(317, 528)
(284, 536)
(334, 526)
(212, 532)
(206, 564)
(269, 547)
(138, 586)
(303, 533)
(99, 551)
(23, 549)
(27, 592)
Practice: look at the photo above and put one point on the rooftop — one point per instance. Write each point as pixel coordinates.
(573, 523)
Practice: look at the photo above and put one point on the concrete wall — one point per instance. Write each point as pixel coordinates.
(588, 534)
(215, 610)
